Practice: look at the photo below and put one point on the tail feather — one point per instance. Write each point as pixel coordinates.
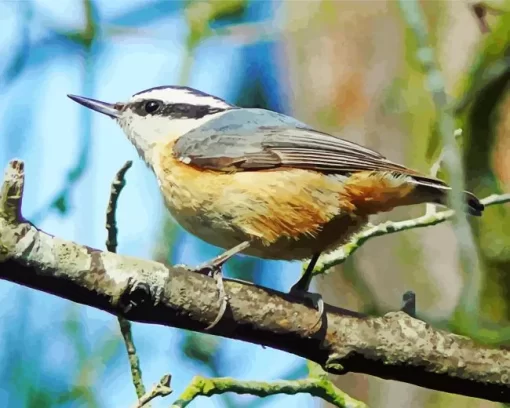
(436, 192)
(474, 205)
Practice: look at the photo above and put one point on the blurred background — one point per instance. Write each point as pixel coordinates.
(346, 67)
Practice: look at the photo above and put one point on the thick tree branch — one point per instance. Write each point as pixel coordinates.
(394, 346)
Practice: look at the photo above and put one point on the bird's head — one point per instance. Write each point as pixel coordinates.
(159, 115)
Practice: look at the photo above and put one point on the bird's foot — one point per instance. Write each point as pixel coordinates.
(213, 269)
(300, 289)
(314, 299)
(142, 290)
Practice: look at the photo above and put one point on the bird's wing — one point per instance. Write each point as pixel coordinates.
(272, 140)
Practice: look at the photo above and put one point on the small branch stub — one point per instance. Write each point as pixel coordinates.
(11, 195)
(409, 303)
(161, 389)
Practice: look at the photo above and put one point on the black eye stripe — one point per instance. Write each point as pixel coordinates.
(175, 110)
(185, 110)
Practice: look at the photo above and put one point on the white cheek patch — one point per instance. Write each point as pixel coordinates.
(145, 132)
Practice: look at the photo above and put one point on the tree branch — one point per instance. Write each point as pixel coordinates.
(118, 184)
(394, 346)
(161, 389)
(340, 255)
(317, 387)
(111, 245)
(469, 261)
(430, 218)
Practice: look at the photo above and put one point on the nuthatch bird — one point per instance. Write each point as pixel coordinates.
(260, 182)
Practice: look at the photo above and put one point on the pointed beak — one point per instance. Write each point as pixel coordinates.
(113, 111)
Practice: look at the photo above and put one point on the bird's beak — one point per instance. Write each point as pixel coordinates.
(113, 111)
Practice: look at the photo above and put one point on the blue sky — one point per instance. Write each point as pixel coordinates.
(43, 127)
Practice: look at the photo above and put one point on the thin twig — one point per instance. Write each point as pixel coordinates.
(340, 255)
(111, 245)
(134, 361)
(481, 9)
(480, 12)
(161, 389)
(436, 167)
(118, 184)
(317, 387)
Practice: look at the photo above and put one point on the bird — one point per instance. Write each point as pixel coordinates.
(261, 183)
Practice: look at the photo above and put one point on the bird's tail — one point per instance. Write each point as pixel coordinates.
(430, 190)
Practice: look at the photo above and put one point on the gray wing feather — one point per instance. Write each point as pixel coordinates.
(255, 139)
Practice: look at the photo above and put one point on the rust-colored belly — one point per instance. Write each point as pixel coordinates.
(288, 214)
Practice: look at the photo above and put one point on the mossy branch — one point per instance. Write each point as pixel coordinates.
(317, 387)
(340, 255)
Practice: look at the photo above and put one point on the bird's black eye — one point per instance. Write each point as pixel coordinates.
(152, 106)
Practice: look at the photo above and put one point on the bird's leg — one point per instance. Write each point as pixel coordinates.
(303, 284)
(300, 288)
(213, 269)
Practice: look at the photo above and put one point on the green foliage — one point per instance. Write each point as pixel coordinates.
(200, 347)
(33, 382)
(85, 37)
(18, 62)
(200, 15)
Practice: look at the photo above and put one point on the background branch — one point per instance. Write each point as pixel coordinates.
(394, 346)
(317, 387)
(111, 245)
(451, 161)
(340, 255)
(161, 389)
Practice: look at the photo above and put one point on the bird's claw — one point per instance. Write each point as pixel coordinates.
(217, 275)
(300, 289)
(314, 299)
(140, 291)
(213, 269)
